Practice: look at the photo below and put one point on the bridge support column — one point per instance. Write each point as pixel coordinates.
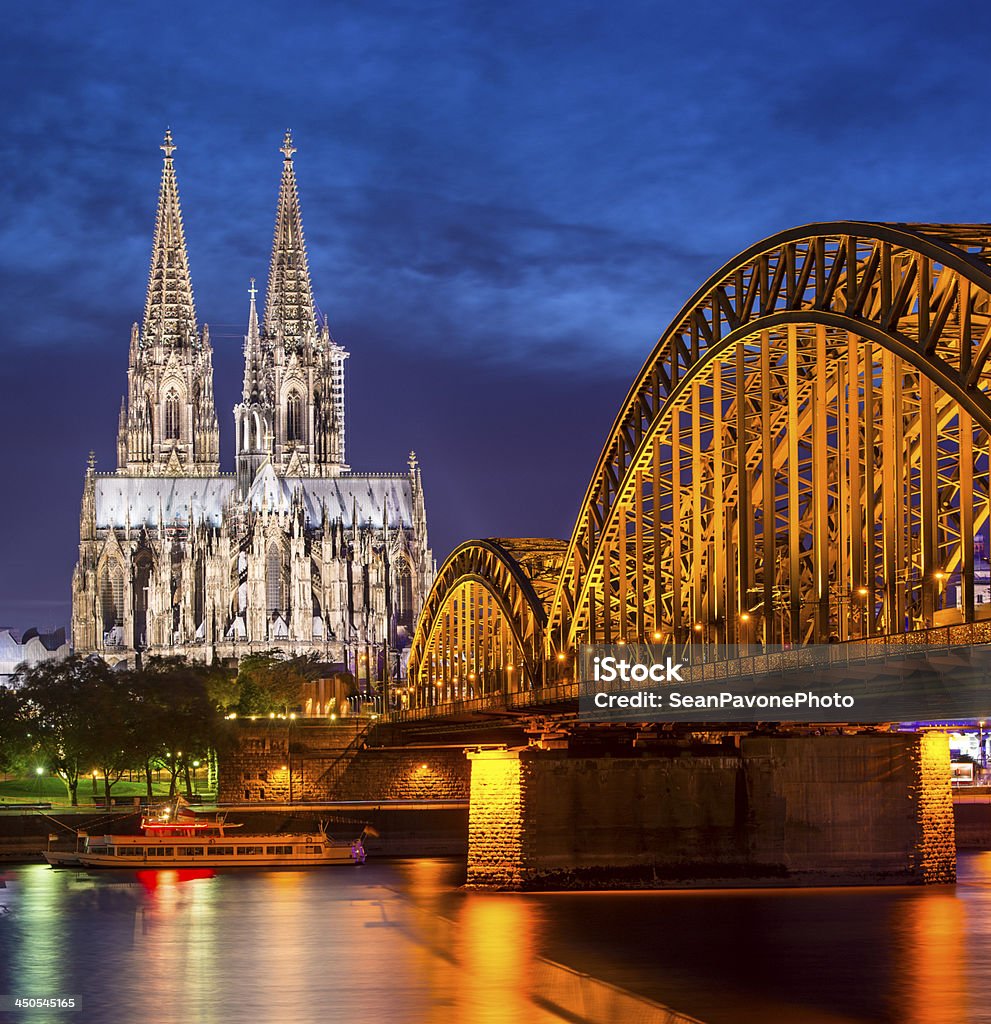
(798, 810)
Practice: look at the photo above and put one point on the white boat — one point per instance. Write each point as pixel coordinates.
(180, 839)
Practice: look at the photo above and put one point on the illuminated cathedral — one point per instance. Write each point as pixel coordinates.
(293, 550)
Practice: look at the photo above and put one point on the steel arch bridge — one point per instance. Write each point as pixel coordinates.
(804, 456)
(482, 628)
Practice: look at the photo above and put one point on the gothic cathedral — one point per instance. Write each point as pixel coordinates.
(293, 550)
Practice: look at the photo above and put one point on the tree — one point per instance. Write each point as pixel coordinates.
(60, 707)
(180, 701)
(119, 723)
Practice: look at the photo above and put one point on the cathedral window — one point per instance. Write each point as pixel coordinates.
(273, 581)
(171, 416)
(294, 418)
(112, 595)
(404, 595)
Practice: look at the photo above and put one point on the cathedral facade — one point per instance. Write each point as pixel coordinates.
(291, 551)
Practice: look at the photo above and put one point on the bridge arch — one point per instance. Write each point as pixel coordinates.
(805, 452)
(482, 627)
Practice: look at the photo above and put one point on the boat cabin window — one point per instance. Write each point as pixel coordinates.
(250, 850)
(281, 850)
(220, 851)
(313, 849)
(189, 851)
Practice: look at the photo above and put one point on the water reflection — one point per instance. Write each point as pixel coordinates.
(400, 941)
(934, 949)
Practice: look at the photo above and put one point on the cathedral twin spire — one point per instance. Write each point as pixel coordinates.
(292, 410)
(168, 424)
(170, 316)
(289, 310)
(291, 413)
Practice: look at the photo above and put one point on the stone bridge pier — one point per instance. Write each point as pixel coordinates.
(855, 809)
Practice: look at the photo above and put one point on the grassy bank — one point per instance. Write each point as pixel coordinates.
(51, 789)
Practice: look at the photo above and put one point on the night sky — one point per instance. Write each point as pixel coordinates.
(505, 204)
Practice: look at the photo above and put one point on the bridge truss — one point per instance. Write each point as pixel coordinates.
(804, 455)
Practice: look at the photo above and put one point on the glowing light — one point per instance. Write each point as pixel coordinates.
(697, 627)
(744, 616)
(560, 656)
(41, 771)
(657, 634)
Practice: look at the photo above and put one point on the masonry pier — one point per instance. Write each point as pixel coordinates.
(794, 810)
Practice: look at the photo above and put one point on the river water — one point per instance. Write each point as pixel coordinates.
(399, 941)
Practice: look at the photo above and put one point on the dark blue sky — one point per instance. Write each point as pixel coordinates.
(505, 204)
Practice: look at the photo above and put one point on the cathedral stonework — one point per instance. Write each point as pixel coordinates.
(292, 551)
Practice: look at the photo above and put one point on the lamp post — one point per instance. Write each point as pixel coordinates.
(863, 593)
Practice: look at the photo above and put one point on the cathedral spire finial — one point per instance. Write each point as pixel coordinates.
(287, 147)
(168, 146)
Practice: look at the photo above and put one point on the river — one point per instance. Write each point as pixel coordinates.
(400, 941)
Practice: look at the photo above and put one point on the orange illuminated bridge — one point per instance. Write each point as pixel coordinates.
(804, 456)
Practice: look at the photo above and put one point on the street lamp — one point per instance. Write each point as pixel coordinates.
(863, 593)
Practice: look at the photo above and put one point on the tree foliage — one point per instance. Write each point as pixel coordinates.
(15, 744)
(269, 682)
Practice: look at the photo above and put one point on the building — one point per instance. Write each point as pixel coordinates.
(29, 648)
(293, 550)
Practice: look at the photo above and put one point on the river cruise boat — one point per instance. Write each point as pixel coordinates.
(180, 839)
